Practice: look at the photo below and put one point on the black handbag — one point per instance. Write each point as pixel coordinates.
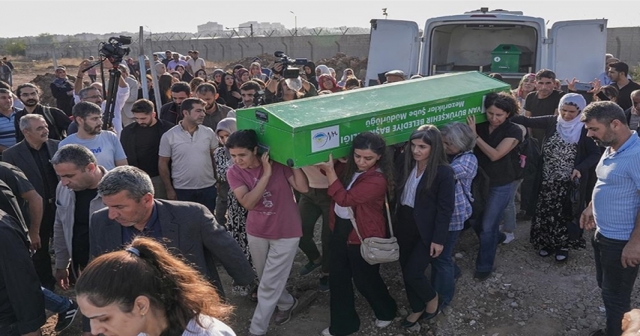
(572, 199)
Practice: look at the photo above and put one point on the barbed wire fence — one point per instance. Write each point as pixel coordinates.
(218, 46)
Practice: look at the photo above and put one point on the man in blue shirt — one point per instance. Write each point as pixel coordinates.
(7, 120)
(614, 210)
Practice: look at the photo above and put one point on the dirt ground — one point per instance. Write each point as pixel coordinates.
(526, 295)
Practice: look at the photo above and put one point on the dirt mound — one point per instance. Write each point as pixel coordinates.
(44, 82)
(341, 61)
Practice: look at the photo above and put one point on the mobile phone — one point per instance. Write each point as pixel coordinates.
(583, 86)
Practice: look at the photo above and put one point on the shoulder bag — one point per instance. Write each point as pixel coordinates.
(376, 250)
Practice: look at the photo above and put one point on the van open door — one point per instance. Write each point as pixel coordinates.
(577, 49)
(394, 45)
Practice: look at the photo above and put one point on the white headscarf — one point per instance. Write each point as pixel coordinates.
(324, 70)
(570, 131)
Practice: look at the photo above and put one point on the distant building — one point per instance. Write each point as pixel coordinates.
(259, 28)
(210, 28)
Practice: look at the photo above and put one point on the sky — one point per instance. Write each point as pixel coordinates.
(30, 18)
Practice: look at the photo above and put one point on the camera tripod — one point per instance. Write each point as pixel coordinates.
(114, 79)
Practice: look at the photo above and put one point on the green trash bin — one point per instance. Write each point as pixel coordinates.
(509, 58)
(303, 132)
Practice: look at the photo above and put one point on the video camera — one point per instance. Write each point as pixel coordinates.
(114, 50)
(287, 70)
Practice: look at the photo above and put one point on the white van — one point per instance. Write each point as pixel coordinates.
(484, 40)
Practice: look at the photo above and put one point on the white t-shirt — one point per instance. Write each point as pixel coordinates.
(196, 64)
(105, 146)
(212, 327)
(343, 212)
(191, 165)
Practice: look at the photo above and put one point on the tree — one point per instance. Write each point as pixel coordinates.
(44, 38)
(15, 48)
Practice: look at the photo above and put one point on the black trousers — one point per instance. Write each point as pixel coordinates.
(42, 258)
(347, 265)
(415, 257)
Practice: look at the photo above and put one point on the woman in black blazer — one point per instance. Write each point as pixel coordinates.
(568, 155)
(425, 203)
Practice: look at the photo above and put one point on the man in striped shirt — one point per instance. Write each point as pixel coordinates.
(7, 120)
(614, 210)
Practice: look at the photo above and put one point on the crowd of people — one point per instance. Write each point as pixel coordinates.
(181, 179)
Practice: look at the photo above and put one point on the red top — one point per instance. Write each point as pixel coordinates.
(366, 198)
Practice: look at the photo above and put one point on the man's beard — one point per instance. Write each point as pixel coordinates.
(92, 130)
(30, 102)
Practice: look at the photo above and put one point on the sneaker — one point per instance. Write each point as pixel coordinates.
(509, 237)
(309, 267)
(323, 287)
(383, 324)
(65, 319)
(326, 332)
(284, 316)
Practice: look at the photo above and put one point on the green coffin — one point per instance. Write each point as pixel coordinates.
(303, 132)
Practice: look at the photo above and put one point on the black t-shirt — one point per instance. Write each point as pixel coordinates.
(49, 177)
(80, 241)
(19, 184)
(624, 94)
(147, 145)
(540, 107)
(501, 171)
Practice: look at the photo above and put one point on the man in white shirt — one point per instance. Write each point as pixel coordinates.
(104, 144)
(195, 63)
(189, 147)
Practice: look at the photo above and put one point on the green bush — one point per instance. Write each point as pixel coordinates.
(15, 48)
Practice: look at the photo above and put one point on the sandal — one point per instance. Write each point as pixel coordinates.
(562, 255)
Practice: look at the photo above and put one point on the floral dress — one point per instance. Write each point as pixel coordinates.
(549, 224)
(237, 215)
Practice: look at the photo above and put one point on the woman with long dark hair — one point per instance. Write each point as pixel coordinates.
(357, 189)
(496, 141)
(273, 227)
(229, 91)
(164, 84)
(144, 290)
(426, 199)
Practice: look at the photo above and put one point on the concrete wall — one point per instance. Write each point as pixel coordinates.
(624, 43)
(230, 49)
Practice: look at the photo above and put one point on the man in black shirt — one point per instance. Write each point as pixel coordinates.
(543, 101)
(21, 300)
(171, 111)
(618, 74)
(141, 141)
(77, 199)
(62, 90)
(32, 156)
(57, 121)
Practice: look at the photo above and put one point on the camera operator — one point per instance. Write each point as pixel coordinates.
(276, 91)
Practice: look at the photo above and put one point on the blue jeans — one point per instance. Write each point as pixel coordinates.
(615, 281)
(509, 214)
(205, 196)
(54, 302)
(487, 228)
(444, 270)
